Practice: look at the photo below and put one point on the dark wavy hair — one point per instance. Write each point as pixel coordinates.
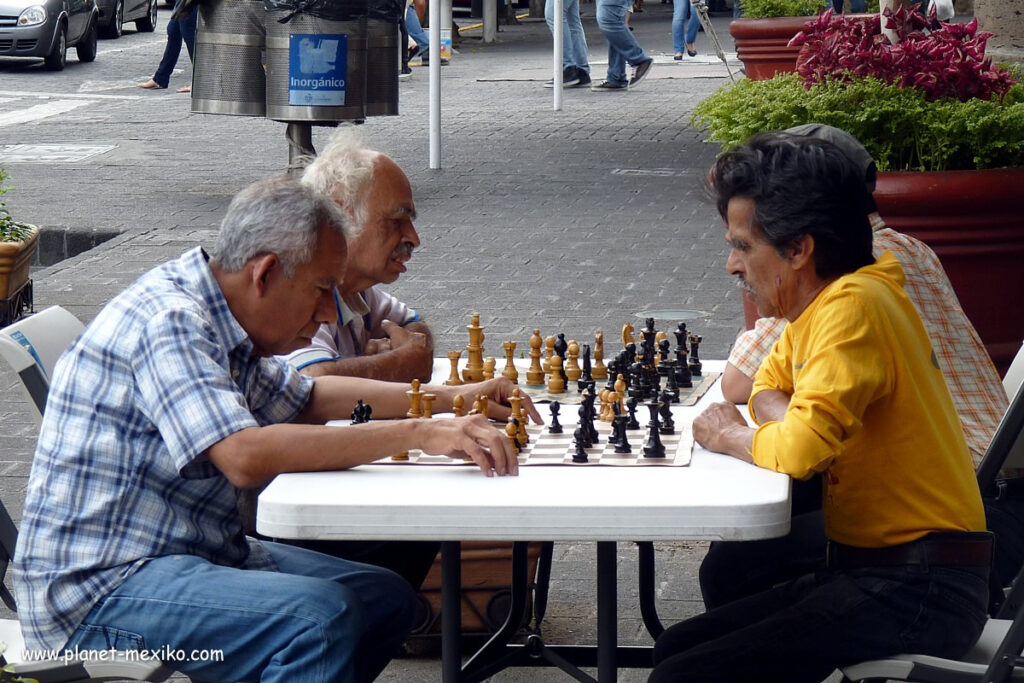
(800, 186)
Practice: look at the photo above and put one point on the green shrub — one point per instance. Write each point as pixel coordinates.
(763, 9)
(898, 126)
(10, 229)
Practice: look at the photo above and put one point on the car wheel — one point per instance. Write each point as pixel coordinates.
(86, 47)
(58, 56)
(148, 24)
(114, 28)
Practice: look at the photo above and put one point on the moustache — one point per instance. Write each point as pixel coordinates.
(404, 249)
(744, 285)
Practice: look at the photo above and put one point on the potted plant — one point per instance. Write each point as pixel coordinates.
(762, 36)
(17, 246)
(946, 130)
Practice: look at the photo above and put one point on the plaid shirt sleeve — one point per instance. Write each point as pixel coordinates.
(752, 346)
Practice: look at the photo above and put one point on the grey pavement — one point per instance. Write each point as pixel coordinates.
(572, 221)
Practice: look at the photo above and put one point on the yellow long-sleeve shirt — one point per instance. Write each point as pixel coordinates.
(870, 409)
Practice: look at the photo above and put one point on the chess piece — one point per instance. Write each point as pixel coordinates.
(555, 427)
(600, 371)
(453, 378)
(695, 364)
(631, 404)
(578, 439)
(415, 395)
(589, 415)
(535, 375)
(510, 368)
(511, 431)
(428, 403)
(672, 388)
(482, 400)
(684, 378)
(562, 351)
(515, 401)
(473, 371)
(572, 366)
(681, 335)
(653, 447)
(556, 385)
(458, 404)
(664, 347)
(622, 445)
(668, 425)
(488, 371)
(627, 335)
(357, 413)
(549, 350)
(586, 376)
(403, 456)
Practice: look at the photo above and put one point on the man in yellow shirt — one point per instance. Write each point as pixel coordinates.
(852, 391)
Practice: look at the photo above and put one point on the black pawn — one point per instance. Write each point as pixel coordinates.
(672, 386)
(580, 454)
(614, 437)
(555, 427)
(653, 447)
(631, 404)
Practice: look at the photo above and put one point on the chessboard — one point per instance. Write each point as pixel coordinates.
(545, 448)
(688, 396)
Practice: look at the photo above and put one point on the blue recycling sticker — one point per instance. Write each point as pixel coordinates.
(317, 69)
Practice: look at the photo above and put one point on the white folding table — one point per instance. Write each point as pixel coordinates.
(716, 497)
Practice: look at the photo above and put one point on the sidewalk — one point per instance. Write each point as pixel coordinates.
(569, 221)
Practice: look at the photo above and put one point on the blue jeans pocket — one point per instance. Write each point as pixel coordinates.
(93, 637)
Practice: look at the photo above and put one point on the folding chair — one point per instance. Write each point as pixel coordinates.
(32, 346)
(1015, 375)
(113, 666)
(996, 657)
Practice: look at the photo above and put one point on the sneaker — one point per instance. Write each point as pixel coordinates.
(405, 74)
(570, 78)
(608, 86)
(584, 78)
(640, 73)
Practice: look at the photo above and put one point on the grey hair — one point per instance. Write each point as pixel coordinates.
(276, 216)
(342, 170)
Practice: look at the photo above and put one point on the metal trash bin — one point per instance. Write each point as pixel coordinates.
(344, 105)
(382, 65)
(228, 75)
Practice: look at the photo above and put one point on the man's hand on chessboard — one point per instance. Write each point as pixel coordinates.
(498, 391)
(472, 438)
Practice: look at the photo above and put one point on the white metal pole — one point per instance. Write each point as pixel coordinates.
(490, 20)
(557, 60)
(434, 14)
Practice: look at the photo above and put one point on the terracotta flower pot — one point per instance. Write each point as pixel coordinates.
(15, 259)
(763, 45)
(972, 220)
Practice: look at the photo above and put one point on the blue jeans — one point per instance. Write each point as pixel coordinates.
(856, 6)
(685, 24)
(801, 631)
(737, 9)
(574, 40)
(622, 46)
(178, 30)
(416, 32)
(319, 618)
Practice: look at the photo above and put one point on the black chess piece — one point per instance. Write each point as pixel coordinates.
(582, 427)
(519, 446)
(672, 384)
(561, 348)
(664, 348)
(578, 439)
(622, 444)
(585, 377)
(555, 427)
(683, 376)
(668, 425)
(695, 364)
(588, 402)
(359, 413)
(614, 437)
(681, 337)
(367, 412)
(631, 404)
(653, 447)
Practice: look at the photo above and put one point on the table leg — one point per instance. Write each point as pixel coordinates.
(648, 607)
(607, 612)
(451, 611)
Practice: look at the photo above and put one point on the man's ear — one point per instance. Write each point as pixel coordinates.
(262, 267)
(801, 252)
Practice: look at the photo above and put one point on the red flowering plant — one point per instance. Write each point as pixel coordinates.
(942, 60)
(930, 102)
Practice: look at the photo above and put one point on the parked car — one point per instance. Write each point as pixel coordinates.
(47, 28)
(113, 14)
